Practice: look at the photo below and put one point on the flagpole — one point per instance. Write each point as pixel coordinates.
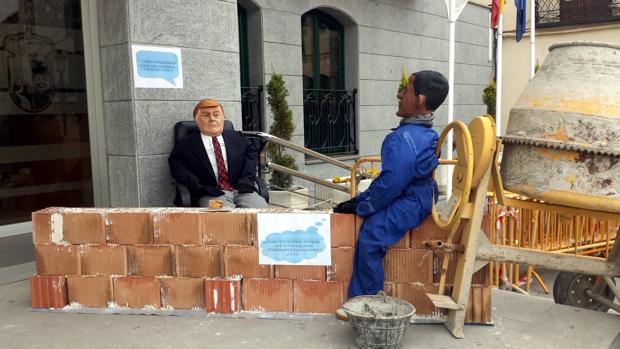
(490, 38)
(498, 83)
(452, 20)
(532, 38)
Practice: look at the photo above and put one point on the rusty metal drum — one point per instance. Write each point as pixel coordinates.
(562, 143)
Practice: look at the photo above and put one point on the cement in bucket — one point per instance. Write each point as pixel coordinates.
(380, 321)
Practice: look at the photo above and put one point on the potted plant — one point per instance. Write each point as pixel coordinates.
(282, 192)
(404, 80)
(488, 98)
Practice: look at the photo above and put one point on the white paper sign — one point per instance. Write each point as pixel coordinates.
(294, 238)
(157, 67)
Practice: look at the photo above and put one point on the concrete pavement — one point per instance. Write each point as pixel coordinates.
(520, 322)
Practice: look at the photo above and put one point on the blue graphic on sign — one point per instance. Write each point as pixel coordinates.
(155, 64)
(293, 246)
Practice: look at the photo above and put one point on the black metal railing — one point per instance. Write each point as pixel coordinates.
(550, 13)
(251, 111)
(329, 121)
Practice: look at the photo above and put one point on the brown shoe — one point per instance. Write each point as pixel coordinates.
(342, 315)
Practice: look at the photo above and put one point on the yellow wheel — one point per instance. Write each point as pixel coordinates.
(461, 177)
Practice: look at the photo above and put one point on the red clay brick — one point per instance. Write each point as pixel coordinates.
(300, 272)
(270, 295)
(103, 260)
(149, 260)
(358, 225)
(243, 261)
(404, 242)
(199, 261)
(136, 292)
(479, 305)
(56, 259)
(317, 296)
(343, 230)
(42, 226)
(177, 227)
(89, 291)
(478, 278)
(222, 295)
(428, 230)
(409, 265)
(345, 290)
(389, 288)
(48, 291)
(342, 264)
(128, 227)
(181, 293)
(416, 295)
(83, 226)
(228, 228)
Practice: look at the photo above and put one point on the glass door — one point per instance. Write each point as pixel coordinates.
(44, 131)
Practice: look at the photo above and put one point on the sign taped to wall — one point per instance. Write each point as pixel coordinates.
(157, 67)
(294, 238)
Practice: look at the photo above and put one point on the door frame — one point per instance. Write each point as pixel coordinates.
(96, 123)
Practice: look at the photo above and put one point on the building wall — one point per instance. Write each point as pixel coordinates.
(139, 121)
(382, 36)
(516, 56)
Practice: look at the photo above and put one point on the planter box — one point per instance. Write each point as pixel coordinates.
(289, 199)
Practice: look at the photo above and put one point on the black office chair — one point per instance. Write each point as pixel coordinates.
(183, 129)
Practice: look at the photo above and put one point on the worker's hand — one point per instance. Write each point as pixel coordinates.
(348, 207)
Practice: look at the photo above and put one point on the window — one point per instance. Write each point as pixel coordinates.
(570, 12)
(251, 111)
(329, 109)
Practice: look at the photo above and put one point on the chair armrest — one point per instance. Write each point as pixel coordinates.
(183, 197)
(262, 188)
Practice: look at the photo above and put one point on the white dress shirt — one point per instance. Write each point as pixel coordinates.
(208, 143)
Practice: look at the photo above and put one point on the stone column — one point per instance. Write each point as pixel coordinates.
(139, 122)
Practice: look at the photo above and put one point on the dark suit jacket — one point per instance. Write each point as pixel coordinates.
(190, 165)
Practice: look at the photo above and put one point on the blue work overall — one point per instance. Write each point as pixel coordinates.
(399, 199)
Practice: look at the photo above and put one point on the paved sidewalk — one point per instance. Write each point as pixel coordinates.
(520, 322)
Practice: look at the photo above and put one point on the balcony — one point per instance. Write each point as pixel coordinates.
(553, 13)
(329, 121)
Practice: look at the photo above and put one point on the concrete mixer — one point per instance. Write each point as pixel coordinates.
(561, 153)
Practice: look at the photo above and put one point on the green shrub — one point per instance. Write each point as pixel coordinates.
(404, 80)
(488, 97)
(282, 127)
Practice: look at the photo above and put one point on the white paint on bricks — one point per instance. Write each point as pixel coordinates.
(57, 227)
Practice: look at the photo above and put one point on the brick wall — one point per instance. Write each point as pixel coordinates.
(200, 259)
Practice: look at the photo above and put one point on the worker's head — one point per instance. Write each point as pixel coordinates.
(425, 92)
(209, 117)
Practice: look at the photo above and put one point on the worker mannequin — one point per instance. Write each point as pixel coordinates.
(401, 197)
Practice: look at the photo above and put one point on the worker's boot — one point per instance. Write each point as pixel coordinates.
(342, 315)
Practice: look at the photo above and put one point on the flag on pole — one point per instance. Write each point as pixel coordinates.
(520, 4)
(459, 6)
(497, 7)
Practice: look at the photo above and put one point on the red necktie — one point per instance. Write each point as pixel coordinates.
(222, 174)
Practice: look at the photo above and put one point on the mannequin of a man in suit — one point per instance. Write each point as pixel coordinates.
(216, 163)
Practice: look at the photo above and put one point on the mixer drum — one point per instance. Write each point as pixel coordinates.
(562, 143)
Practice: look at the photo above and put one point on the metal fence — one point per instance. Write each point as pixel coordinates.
(550, 13)
(251, 111)
(545, 231)
(329, 121)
